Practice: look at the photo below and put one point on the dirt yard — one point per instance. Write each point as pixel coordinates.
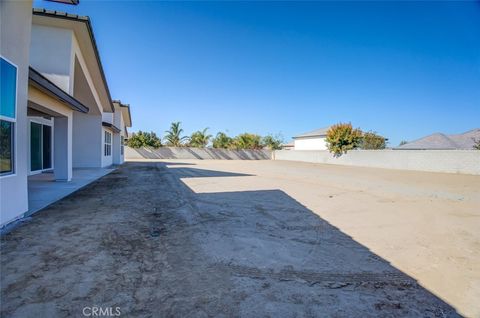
(251, 239)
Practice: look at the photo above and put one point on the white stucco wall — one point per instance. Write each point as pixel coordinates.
(107, 117)
(87, 140)
(310, 143)
(450, 161)
(51, 54)
(15, 26)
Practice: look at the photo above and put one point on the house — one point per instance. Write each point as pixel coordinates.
(312, 140)
(288, 146)
(439, 141)
(56, 112)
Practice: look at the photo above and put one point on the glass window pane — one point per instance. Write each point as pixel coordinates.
(35, 147)
(8, 89)
(47, 147)
(6, 146)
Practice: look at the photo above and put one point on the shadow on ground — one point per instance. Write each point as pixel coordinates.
(141, 240)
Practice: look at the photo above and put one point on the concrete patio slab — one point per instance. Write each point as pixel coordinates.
(43, 190)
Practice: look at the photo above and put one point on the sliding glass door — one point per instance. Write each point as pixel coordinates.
(40, 147)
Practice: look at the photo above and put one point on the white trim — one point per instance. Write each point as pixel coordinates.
(105, 131)
(14, 120)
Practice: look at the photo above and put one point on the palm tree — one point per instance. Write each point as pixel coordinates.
(200, 139)
(221, 140)
(247, 141)
(173, 136)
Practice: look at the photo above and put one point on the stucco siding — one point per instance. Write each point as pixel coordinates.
(87, 140)
(310, 143)
(15, 26)
(51, 51)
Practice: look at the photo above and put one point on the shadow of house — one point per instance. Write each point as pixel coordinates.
(267, 238)
(140, 239)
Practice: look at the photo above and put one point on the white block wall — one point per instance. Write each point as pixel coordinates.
(451, 161)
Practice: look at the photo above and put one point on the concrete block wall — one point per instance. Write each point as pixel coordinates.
(196, 153)
(449, 161)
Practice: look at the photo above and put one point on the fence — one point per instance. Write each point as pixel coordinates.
(196, 153)
(451, 161)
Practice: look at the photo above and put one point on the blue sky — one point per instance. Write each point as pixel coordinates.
(403, 69)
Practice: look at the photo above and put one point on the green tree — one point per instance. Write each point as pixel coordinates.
(144, 139)
(272, 142)
(221, 140)
(343, 137)
(403, 142)
(371, 140)
(174, 137)
(199, 139)
(247, 141)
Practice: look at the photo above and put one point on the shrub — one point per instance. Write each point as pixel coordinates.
(144, 139)
(343, 137)
(371, 140)
(272, 142)
(221, 140)
(476, 144)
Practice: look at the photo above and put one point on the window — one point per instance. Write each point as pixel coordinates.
(40, 146)
(8, 100)
(107, 150)
(6, 147)
(122, 145)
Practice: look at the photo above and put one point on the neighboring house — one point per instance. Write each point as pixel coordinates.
(441, 141)
(312, 140)
(288, 146)
(56, 112)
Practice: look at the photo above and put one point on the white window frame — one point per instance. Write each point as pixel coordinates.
(107, 143)
(14, 121)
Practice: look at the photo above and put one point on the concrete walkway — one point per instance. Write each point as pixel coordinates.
(43, 190)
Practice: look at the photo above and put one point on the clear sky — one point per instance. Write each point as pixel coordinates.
(403, 69)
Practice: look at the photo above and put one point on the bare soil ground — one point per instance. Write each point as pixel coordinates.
(251, 238)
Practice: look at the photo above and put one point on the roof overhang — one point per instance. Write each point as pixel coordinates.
(86, 40)
(74, 2)
(111, 126)
(45, 85)
(309, 137)
(127, 116)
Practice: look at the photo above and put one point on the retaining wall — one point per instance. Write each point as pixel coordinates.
(451, 161)
(196, 153)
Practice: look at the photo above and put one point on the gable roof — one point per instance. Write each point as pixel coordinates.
(314, 133)
(85, 21)
(442, 141)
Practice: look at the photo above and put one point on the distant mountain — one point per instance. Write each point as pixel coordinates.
(442, 141)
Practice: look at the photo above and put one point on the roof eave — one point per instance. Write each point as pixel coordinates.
(48, 87)
(111, 126)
